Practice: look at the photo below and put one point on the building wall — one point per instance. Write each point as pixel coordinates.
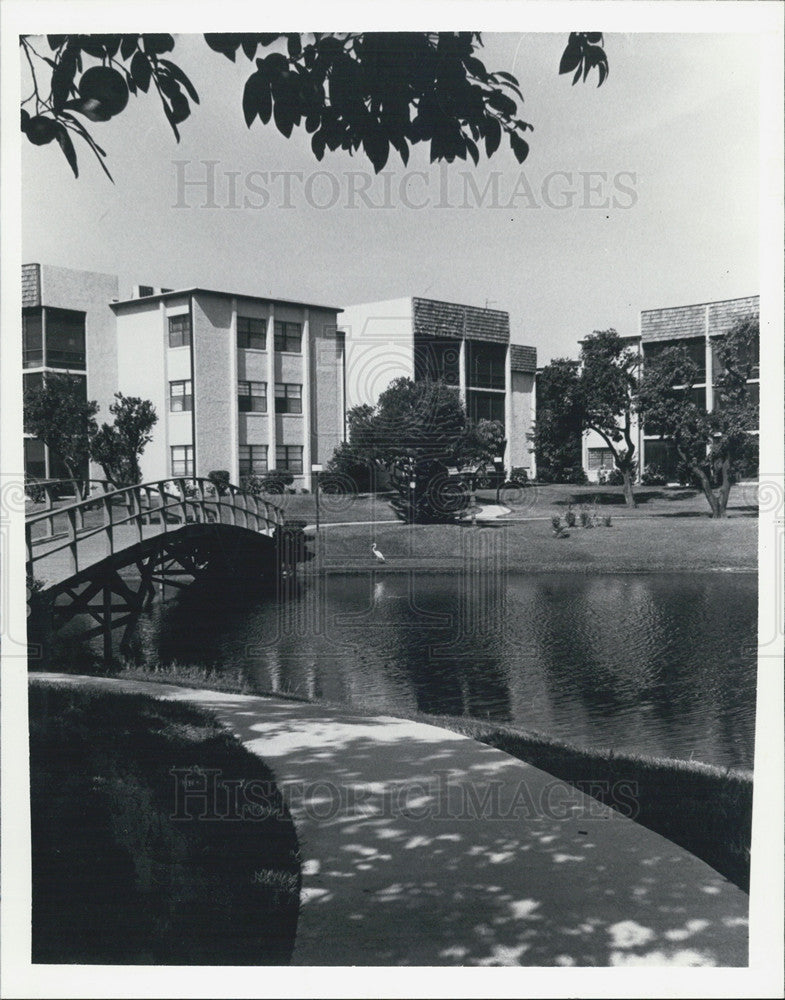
(379, 338)
(702, 321)
(327, 385)
(91, 293)
(146, 364)
(214, 384)
(88, 292)
(521, 422)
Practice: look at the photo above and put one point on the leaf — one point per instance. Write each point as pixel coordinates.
(376, 147)
(318, 142)
(63, 78)
(519, 147)
(473, 151)
(64, 139)
(128, 46)
(577, 76)
(502, 103)
(571, 57)
(227, 45)
(294, 46)
(140, 71)
(493, 136)
(249, 46)
(180, 76)
(257, 99)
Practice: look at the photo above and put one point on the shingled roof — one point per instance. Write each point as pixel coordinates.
(522, 358)
(433, 318)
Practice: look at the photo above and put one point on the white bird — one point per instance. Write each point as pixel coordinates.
(379, 557)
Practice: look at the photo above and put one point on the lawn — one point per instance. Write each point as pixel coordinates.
(628, 545)
(117, 876)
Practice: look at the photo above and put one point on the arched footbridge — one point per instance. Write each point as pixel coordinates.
(101, 559)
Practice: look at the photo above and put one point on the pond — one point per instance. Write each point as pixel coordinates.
(661, 664)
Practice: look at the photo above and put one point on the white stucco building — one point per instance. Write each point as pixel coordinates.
(466, 346)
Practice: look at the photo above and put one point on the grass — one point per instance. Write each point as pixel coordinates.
(626, 545)
(707, 810)
(116, 879)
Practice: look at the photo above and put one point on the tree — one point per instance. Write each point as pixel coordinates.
(59, 414)
(608, 386)
(710, 445)
(117, 447)
(482, 441)
(372, 91)
(416, 432)
(558, 428)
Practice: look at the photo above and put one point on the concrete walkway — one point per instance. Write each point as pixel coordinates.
(423, 847)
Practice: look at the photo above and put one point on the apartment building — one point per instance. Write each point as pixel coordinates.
(465, 346)
(698, 329)
(67, 327)
(240, 382)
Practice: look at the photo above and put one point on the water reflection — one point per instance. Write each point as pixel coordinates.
(659, 664)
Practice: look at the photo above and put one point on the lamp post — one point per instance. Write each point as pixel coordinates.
(412, 488)
(315, 470)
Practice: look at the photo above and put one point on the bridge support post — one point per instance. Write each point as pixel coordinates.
(107, 623)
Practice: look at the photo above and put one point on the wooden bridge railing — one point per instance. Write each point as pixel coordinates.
(168, 503)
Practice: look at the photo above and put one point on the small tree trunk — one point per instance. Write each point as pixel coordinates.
(709, 493)
(629, 497)
(724, 489)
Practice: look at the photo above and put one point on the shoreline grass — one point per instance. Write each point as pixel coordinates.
(703, 808)
(117, 878)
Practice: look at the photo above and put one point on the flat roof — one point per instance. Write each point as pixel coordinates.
(196, 290)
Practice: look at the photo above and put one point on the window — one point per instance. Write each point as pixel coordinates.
(485, 365)
(437, 360)
(600, 458)
(289, 458)
(486, 406)
(180, 331)
(65, 338)
(253, 459)
(288, 398)
(693, 347)
(288, 337)
(251, 333)
(182, 460)
(35, 458)
(180, 396)
(32, 339)
(252, 397)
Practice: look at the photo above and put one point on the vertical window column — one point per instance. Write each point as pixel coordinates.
(271, 419)
(709, 367)
(306, 398)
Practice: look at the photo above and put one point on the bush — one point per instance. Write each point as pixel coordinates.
(607, 520)
(587, 521)
(35, 491)
(272, 482)
(345, 467)
(569, 517)
(220, 480)
(653, 476)
(614, 477)
(571, 475)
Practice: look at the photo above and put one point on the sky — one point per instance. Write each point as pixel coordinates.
(638, 194)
